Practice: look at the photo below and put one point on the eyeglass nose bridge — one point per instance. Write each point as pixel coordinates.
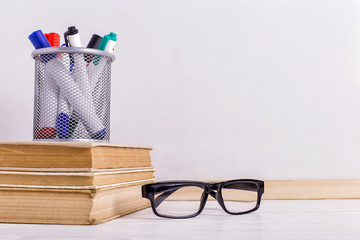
(212, 190)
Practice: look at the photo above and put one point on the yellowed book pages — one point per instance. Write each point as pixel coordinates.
(15, 178)
(70, 156)
(67, 206)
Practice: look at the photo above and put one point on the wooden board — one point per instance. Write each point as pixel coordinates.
(298, 189)
(312, 189)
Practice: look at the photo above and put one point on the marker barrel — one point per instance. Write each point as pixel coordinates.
(70, 104)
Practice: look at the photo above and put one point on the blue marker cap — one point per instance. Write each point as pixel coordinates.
(39, 40)
(62, 125)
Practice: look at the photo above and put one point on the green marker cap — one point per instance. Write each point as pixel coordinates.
(105, 40)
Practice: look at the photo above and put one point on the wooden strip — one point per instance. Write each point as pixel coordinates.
(297, 190)
(312, 189)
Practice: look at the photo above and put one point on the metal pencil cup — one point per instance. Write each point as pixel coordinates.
(72, 94)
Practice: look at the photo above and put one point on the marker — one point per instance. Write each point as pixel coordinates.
(53, 38)
(69, 61)
(48, 97)
(45, 133)
(95, 70)
(72, 34)
(72, 39)
(63, 111)
(39, 40)
(93, 43)
(65, 57)
(48, 107)
(107, 44)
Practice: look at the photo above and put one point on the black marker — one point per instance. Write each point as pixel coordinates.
(94, 41)
(72, 37)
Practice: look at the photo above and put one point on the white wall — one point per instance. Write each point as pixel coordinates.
(220, 89)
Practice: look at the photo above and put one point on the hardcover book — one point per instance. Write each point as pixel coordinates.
(71, 183)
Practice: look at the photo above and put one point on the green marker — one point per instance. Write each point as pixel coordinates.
(107, 44)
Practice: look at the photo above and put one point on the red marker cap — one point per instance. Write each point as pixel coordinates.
(53, 38)
(46, 133)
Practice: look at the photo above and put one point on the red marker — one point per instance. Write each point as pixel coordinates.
(46, 133)
(53, 38)
(49, 132)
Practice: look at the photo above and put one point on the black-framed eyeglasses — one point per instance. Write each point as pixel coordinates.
(236, 197)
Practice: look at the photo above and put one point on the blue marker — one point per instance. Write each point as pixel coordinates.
(39, 40)
(49, 93)
(62, 125)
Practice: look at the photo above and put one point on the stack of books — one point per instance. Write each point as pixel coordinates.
(71, 183)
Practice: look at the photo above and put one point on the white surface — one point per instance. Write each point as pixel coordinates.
(293, 219)
(230, 89)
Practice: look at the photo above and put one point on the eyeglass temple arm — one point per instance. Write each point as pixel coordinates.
(164, 196)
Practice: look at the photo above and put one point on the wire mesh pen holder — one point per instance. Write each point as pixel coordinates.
(72, 94)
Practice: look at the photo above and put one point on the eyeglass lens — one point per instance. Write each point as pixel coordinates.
(179, 201)
(239, 197)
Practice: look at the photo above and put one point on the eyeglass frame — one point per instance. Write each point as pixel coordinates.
(148, 191)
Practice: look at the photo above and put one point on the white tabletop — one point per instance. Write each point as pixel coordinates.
(280, 219)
